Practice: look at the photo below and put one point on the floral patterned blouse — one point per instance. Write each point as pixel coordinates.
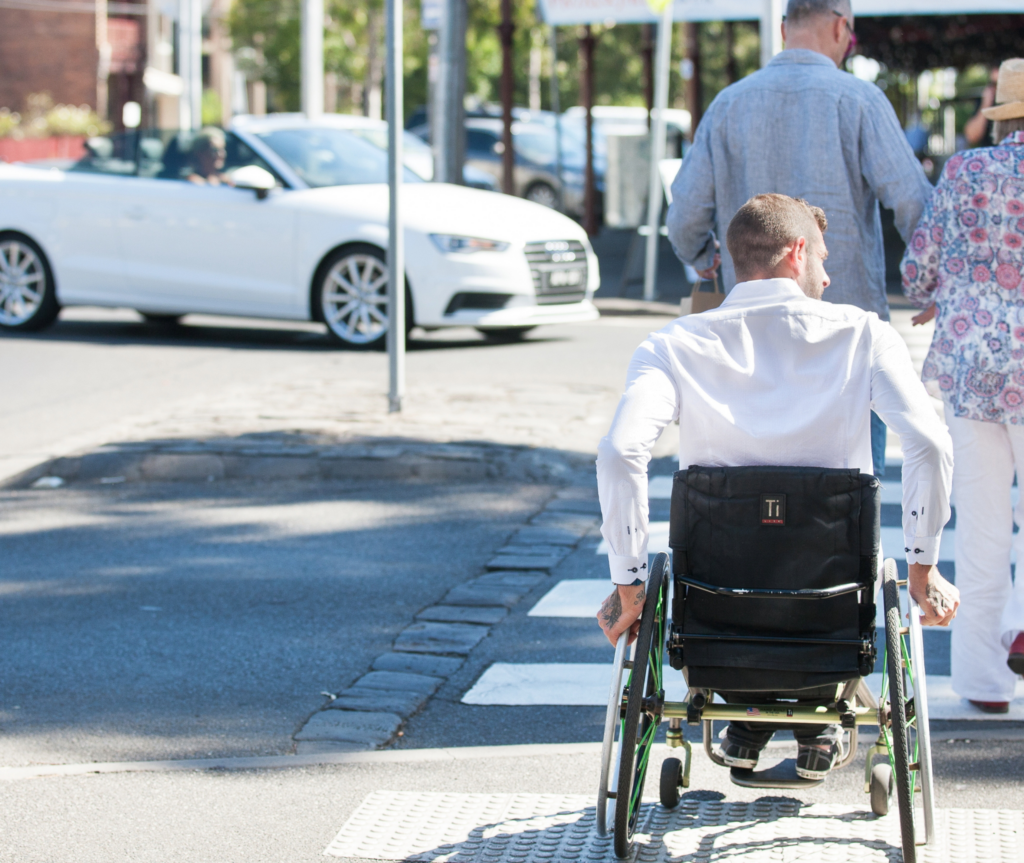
(967, 257)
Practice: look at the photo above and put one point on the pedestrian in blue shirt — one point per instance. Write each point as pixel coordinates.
(802, 127)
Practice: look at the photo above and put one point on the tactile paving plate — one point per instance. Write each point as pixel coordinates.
(539, 828)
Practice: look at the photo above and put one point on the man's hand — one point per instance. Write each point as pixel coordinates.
(708, 275)
(621, 611)
(923, 317)
(938, 598)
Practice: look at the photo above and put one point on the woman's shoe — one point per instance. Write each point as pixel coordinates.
(991, 706)
(1016, 658)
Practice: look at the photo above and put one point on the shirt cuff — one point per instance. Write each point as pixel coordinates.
(626, 570)
(922, 549)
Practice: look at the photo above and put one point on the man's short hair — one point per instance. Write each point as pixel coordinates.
(764, 227)
(798, 11)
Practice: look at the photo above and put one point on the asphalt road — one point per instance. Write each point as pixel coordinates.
(176, 620)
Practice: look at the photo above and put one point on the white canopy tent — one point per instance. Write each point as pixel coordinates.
(562, 12)
(769, 12)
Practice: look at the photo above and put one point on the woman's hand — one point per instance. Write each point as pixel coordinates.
(923, 317)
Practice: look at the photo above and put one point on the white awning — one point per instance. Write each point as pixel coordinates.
(561, 12)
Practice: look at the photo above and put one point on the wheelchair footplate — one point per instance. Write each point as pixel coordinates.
(782, 775)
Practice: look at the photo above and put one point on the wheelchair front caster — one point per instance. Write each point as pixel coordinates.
(881, 788)
(671, 782)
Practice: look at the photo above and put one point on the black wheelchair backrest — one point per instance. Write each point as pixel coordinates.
(774, 572)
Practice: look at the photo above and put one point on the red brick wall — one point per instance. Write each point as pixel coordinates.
(52, 52)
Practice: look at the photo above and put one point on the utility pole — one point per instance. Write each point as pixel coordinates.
(508, 156)
(730, 53)
(447, 122)
(312, 59)
(694, 88)
(396, 244)
(647, 55)
(587, 97)
(103, 52)
(657, 151)
(556, 109)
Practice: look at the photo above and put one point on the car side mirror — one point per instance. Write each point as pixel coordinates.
(260, 180)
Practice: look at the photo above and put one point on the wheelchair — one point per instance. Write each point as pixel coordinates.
(771, 591)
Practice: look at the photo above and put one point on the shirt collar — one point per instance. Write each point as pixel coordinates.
(1013, 138)
(801, 55)
(762, 292)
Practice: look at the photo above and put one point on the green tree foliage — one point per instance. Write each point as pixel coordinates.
(266, 35)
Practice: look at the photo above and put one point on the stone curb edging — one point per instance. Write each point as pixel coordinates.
(264, 762)
(199, 461)
(370, 713)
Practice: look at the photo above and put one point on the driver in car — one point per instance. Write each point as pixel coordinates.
(774, 376)
(209, 151)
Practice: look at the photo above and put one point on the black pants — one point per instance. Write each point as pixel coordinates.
(755, 735)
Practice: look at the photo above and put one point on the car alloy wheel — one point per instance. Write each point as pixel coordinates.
(354, 298)
(543, 194)
(27, 300)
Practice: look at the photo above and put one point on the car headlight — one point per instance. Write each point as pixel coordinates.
(449, 243)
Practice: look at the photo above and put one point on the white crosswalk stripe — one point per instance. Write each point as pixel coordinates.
(586, 684)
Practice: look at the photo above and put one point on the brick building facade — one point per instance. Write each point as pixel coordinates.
(47, 52)
(54, 52)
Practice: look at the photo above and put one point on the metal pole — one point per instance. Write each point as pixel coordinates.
(447, 130)
(771, 30)
(185, 64)
(195, 93)
(657, 151)
(587, 94)
(508, 157)
(312, 60)
(396, 245)
(556, 108)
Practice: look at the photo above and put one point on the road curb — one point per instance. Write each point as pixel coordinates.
(373, 459)
(429, 651)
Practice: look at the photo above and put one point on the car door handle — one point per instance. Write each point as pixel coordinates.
(136, 214)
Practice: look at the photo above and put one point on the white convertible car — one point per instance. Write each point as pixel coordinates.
(278, 218)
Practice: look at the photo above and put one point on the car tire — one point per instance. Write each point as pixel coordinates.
(350, 296)
(161, 320)
(543, 194)
(504, 334)
(28, 293)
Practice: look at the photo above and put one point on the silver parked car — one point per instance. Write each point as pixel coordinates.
(536, 177)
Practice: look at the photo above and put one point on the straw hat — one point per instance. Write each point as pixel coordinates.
(1009, 92)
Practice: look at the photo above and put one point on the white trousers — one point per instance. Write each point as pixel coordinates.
(991, 612)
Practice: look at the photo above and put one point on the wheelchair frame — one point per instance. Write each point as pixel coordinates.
(635, 710)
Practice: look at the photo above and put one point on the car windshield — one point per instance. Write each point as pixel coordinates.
(331, 157)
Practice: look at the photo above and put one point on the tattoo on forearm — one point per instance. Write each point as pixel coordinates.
(639, 600)
(611, 610)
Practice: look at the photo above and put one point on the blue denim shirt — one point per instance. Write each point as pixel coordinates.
(802, 127)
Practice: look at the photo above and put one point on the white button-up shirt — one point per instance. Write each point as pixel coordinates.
(772, 377)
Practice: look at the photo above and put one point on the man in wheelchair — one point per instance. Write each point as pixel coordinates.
(774, 377)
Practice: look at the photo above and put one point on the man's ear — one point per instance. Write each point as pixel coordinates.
(798, 251)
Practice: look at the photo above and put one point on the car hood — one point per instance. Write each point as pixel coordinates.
(441, 208)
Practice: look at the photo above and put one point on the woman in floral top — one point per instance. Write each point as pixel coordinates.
(965, 267)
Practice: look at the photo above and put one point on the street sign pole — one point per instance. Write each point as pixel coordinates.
(663, 54)
(312, 58)
(396, 245)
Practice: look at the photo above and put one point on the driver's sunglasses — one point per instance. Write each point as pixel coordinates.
(849, 29)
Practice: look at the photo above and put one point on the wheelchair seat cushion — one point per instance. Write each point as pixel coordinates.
(780, 529)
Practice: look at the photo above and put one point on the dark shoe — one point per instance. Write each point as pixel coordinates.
(815, 762)
(991, 706)
(1016, 658)
(736, 755)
